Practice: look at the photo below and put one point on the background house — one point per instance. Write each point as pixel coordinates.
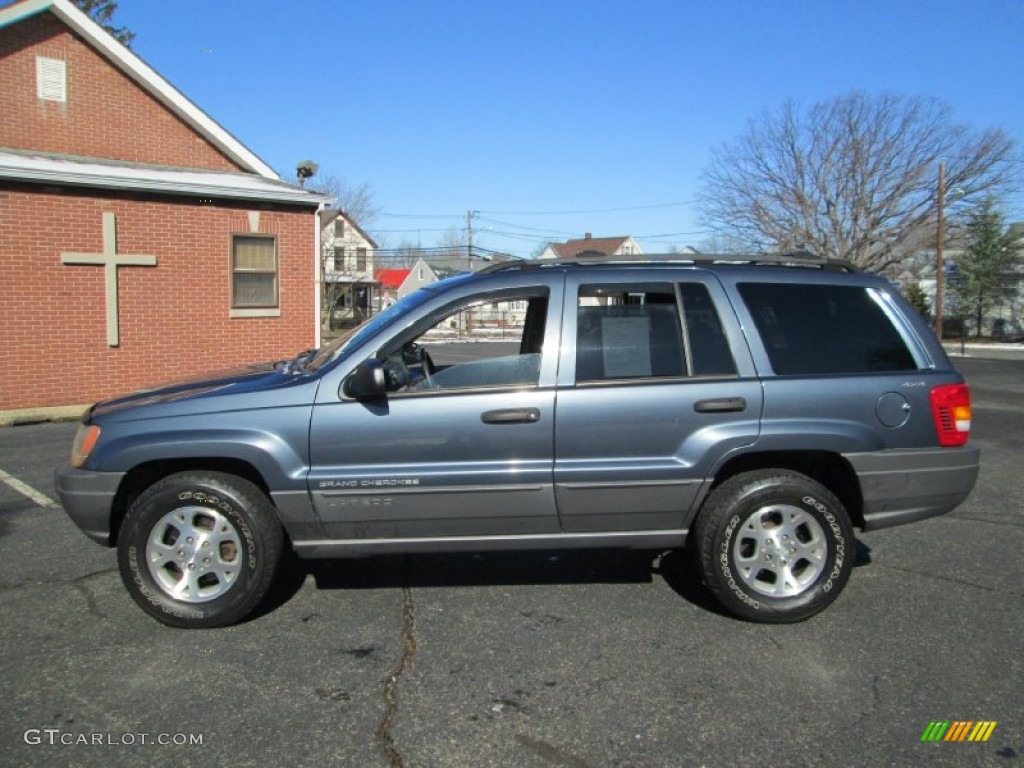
(423, 273)
(141, 241)
(389, 283)
(350, 291)
(610, 246)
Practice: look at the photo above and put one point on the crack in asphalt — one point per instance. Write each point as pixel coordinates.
(77, 583)
(550, 753)
(46, 582)
(383, 732)
(961, 582)
(967, 518)
(90, 598)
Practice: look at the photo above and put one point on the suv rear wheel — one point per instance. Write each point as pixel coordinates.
(774, 545)
(200, 549)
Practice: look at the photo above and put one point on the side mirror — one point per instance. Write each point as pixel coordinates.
(366, 382)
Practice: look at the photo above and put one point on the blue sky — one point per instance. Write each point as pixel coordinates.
(557, 118)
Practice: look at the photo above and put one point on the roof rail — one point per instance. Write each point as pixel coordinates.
(591, 258)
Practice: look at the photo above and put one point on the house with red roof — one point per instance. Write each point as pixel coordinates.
(390, 282)
(141, 240)
(608, 246)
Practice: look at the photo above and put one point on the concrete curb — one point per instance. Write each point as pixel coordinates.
(36, 415)
(985, 351)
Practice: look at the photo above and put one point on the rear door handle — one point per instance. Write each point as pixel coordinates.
(511, 416)
(721, 405)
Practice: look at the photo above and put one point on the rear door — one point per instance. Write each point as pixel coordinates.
(655, 386)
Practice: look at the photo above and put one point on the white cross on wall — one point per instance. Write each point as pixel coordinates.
(110, 259)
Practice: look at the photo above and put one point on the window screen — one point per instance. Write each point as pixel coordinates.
(253, 271)
(816, 329)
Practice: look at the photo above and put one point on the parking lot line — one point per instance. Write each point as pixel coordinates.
(27, 490)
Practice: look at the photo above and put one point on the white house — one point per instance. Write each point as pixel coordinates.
(347, 269)
(610, 246)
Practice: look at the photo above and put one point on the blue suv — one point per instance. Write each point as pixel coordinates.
(755, 410)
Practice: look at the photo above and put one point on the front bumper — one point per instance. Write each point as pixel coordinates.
(903, 486)
(88, 498)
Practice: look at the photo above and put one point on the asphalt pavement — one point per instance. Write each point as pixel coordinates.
(549, 659)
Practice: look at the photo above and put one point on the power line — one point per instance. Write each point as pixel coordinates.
(591, 210)
(422, 215)
(529, 229)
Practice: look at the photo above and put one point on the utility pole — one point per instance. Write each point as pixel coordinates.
(469, 240)
(940, 242)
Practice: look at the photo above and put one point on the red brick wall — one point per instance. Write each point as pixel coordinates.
(106, 114)
(173, 317)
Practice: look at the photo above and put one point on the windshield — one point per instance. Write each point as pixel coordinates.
(352, 338)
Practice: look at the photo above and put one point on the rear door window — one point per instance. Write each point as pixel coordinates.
(822, 329)
(648, 331)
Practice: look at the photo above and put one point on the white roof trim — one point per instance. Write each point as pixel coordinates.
(44, 169)
(144, 75)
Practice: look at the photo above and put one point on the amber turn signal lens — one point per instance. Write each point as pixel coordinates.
(85, 441)
(951, 409)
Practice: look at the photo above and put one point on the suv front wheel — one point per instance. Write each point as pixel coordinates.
(774, 545)
(200, 549)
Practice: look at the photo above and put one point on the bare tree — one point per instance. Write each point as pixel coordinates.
(853, 177)
(405, 255)
(356, 201)
(454, 251)
(453, 238)
(723, 242)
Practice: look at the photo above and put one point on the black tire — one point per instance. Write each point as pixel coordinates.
(774, 546)
(200, 549)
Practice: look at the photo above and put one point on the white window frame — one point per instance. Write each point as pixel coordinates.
(270, 310)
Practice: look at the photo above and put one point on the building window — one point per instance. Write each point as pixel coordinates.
(360, 259)
(339, 227)
(339, 259)
(253, 272)
(51, 79)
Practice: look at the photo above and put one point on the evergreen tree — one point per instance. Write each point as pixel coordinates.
(102, 11)
(919, 300)
(978, 280)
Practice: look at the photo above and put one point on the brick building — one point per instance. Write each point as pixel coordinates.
(139, 241)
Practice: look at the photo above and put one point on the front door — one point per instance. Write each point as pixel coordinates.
(463, 443)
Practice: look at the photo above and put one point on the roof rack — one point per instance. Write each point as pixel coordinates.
(592, 258)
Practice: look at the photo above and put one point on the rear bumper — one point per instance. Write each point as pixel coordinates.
(903, 486)
(88, 497)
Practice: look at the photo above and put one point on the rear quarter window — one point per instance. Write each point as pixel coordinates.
(821, 329)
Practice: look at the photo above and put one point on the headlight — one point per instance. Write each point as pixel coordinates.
(85, 441)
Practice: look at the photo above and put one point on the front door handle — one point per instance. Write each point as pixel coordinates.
(721, 405)
(511, 416)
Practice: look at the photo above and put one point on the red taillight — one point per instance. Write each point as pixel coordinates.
(951, 408)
